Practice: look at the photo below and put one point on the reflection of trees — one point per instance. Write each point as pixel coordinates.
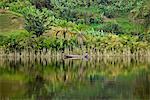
(78, 68)
(142, 86)
(36, 89)
(50, 75)
(67, 69)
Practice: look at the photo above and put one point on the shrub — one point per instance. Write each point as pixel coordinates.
(2, 40)
(42, 4)
(113, 28)
(19, 6)
(38, 22)
(15, 41)
(110, 11)
(2, 5)
(144, 37)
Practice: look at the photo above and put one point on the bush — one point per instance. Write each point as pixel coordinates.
(2, 39)
(15, 41)
(113, 28)
(110, 11)
(19, 6)
(42, 4)
(144, 37)
(2, 5)
(37, 21)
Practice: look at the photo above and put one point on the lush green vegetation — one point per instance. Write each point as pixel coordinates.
(36, 34)
(100, 25)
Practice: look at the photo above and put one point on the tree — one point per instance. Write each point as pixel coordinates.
(37, 21)
(42, 4)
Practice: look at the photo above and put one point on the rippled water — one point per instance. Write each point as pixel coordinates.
(67, 79)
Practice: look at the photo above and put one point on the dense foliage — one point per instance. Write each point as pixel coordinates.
(99, 24)
(38, 22)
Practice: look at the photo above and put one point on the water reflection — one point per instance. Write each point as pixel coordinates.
(57, 78)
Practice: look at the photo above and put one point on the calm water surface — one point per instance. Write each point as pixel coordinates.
(93, 79)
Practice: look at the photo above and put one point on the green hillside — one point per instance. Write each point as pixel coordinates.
(73, 24)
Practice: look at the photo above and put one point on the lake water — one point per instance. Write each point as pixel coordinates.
(75, 79)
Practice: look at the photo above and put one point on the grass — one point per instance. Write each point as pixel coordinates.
(10, 21)
(126, 25)
(13, 32)
(129, 26)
